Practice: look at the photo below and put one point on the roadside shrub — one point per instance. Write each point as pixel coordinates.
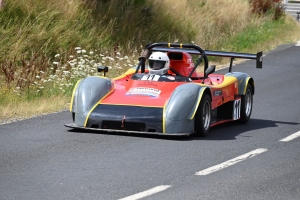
(265, 7)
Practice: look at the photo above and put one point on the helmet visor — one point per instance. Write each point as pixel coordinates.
(156, 64)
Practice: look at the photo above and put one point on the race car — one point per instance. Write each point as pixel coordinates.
(165, 94)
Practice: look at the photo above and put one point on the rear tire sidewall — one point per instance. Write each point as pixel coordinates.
(247, 105)
(202, 124)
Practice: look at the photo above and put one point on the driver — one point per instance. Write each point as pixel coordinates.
(159, 63)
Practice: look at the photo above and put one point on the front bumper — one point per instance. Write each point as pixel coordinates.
(74, 126)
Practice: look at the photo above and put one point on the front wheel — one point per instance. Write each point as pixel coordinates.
(203, 116)
(247, 104)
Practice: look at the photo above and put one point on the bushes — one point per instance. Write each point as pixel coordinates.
(265, 7)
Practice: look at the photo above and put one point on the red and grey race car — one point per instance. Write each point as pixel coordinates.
(165, 94)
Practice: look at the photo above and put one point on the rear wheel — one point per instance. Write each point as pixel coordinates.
(73, 116)
(247, 104)
(203, 116)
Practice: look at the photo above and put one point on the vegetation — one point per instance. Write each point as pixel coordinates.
(47, 45)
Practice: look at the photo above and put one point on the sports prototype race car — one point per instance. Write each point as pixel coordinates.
(165, 94)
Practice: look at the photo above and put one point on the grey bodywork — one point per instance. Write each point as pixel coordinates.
(87, 94)
(181, 107)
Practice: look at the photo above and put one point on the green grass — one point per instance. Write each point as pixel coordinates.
(255, 34)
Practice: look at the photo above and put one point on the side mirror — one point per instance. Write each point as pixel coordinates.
(102, 69)
(209, 71)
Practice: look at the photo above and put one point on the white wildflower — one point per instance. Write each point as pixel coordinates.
(66, 72)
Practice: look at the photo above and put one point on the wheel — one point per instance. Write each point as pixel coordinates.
(203, 116)
(247, 104)
(73, 116)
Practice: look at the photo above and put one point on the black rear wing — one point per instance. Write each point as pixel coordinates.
(258, 56)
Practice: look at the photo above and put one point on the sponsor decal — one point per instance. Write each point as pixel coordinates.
(218, 93)
(152, 92)
(171, 78)
(190, 61)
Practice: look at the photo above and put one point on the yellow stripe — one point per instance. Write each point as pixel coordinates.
(180, 45)
(164, 117)
(88, 115)
(73, 93)
(227, 81)
(198, 102)
(169, 45)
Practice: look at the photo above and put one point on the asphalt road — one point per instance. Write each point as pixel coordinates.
(42, 159)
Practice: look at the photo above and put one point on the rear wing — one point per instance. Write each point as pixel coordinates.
(258, 56)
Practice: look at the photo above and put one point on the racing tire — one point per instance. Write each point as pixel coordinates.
(247, 104)
(203, 116)
(73, 116)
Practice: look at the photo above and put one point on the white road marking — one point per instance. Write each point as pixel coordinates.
(291, 137)
(147, 192)
(297, 44)
(231, 162)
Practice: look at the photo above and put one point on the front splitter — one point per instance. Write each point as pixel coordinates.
(74, 126)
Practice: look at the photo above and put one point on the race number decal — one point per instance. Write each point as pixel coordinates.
(236, 109)
(150, 77)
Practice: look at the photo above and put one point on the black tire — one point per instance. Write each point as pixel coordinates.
(203, 116)
(247, 104)
(73, 116)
